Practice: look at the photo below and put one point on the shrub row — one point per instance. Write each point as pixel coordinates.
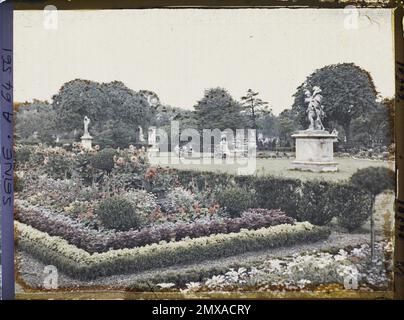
(79, 263)
(316, 201)
(94, 241)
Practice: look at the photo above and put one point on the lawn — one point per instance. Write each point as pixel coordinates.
(280, 167)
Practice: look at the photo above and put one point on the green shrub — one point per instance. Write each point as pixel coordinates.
(316, 202)
(118, 213)
(374, 180)
(58, 166)
(352, 206)
(83, 167)
(22, 154)
(235, 200)
(180, 199)
(278, 193)
(104, 160)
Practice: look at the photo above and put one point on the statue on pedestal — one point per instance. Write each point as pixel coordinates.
(86, 139)
(314, 146)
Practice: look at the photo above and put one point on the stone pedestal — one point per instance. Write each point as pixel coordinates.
(315, 151)
(87, 142)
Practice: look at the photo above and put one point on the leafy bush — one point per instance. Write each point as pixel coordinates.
(58, 166)
(104, 160)
(374, 179)
(235, 200)
(79, 263)
(84, 167)
(96, 241)
(143, 202)
(352, 206)
(159, 180)
(118, 213)
(22, 154)
(180, 199)
(316, 203)
(278, 193)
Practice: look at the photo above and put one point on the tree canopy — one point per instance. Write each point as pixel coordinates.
(218, 110)
(103, 103)
(348, 92)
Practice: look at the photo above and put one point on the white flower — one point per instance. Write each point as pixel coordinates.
(166, 285)
(193, 286)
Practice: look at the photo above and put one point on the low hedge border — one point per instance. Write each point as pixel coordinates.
(94, 241)
(81, 264)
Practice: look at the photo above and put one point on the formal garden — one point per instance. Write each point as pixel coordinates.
(106, 212)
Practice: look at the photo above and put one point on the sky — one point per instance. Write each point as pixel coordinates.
(178, 53)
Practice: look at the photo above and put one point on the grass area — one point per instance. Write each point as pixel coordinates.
(278, 167)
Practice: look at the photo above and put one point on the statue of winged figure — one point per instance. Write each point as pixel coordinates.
(315, 111)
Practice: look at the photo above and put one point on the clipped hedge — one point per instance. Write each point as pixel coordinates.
(81, 264)
(271, 192)
(94, 241)
(314, 201)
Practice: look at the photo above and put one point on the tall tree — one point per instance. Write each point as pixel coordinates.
(373, 126)
(218, 110)
(36, 119)
(254, 108)
(287, 124)
(105, 104)
(348, 92)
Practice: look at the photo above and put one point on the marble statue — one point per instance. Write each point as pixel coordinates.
(86, 123)
(314, 147)
(315, 111)
(141, 137)
(86, 139)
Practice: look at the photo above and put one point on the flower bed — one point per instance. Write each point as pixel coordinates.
(79, 263)
(100, 241)
(309, 271)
